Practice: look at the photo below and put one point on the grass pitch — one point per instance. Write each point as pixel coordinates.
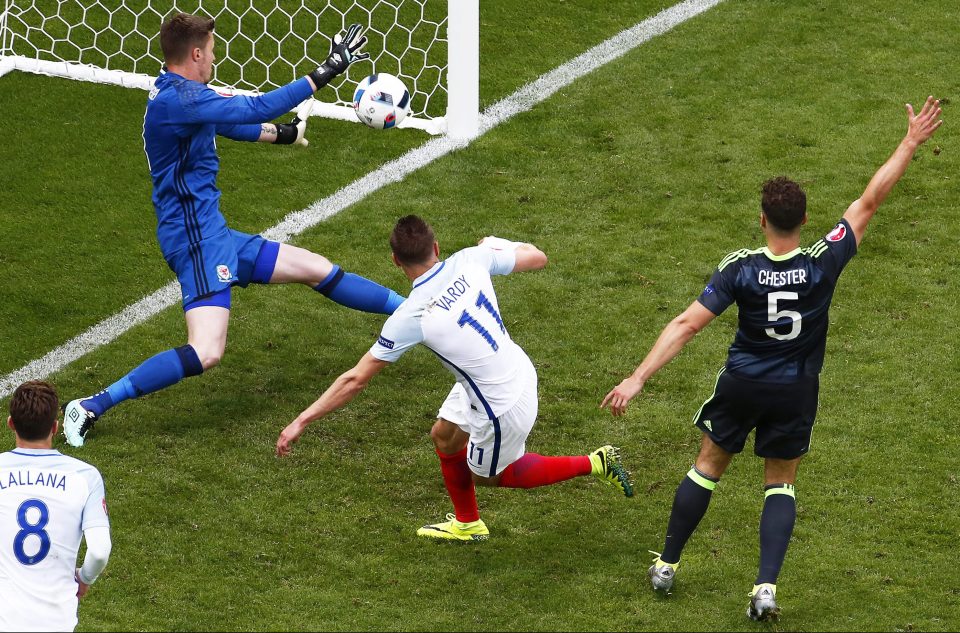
(636, 181)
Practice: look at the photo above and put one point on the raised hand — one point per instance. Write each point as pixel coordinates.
(923, 125)
(344, 50)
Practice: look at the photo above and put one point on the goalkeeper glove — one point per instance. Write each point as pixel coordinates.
(292, 132)
(343, 52)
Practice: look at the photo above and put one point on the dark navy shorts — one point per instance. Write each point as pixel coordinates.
(782, 414)
(208, 269)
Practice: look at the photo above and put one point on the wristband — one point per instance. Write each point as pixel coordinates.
(286, 134)
(322, 76)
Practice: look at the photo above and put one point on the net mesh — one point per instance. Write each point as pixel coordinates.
(261, 44)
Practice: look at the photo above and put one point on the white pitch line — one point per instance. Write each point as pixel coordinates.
(396, 170)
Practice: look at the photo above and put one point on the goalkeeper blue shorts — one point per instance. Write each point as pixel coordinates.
(208, 269)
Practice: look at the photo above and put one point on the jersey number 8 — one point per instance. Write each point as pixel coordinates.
(32, 529)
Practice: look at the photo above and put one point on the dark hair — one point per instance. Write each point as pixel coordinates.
(412, 240)
(34, 410)
(181, 34)
(784, 203)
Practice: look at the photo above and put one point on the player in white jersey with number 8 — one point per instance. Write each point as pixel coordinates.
(48, 501)
(481, 431)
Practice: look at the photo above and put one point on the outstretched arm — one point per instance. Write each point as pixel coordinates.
(276, 133)
(920, 128)
(343, 390)
(671, 340)
(208, 106)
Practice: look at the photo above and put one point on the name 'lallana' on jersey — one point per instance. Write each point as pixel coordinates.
(27, 478)
(454, 292)
(782, 277)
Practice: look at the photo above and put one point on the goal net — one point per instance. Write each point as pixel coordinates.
(262, 44)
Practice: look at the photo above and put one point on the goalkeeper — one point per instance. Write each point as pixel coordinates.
(182, 119)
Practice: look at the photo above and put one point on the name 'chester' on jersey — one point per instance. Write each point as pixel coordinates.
(783, 303)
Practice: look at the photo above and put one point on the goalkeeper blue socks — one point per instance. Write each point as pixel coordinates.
(359, 293)
(689, 505)
(776, 527)
(155, 373)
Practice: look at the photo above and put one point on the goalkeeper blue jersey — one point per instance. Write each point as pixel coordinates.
(783, 305)
(182, 119)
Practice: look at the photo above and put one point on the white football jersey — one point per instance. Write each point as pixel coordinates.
(46, 501)
(453, 310)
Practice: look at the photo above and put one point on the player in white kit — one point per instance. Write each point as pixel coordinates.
(481, 431)
(47, 502)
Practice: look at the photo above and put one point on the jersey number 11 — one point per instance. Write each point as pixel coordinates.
(466, 319)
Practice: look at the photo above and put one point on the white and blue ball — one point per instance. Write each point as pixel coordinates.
(381, 101)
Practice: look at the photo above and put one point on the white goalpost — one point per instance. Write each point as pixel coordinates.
(432, 45)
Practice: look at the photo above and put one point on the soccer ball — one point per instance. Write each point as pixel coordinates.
(381, 101)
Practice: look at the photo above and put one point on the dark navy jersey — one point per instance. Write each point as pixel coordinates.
(182, 120)
(783, 303)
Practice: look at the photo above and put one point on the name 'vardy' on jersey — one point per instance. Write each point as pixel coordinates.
(456, 290)
(453, 310)
(783, 303)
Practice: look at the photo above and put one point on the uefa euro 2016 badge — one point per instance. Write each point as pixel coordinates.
(224, 273)
(837, 234)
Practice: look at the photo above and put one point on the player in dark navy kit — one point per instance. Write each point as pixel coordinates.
(771, 378)
(182, 120)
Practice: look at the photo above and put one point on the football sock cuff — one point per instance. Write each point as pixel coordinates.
(779, 489)
(702, 480)
(326, 286)
(190, 360)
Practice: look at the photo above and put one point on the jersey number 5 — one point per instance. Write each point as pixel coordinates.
(466, 319)
(774, 315)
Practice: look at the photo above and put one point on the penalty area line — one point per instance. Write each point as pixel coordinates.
(396, 170)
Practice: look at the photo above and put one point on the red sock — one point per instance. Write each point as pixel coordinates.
(456, 476)
(532, 470)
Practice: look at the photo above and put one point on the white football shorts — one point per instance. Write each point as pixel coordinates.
(493, 444)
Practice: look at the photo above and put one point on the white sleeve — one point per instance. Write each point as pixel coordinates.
(95, 508)
(499, 261)
(98, 553)
(400, 332)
